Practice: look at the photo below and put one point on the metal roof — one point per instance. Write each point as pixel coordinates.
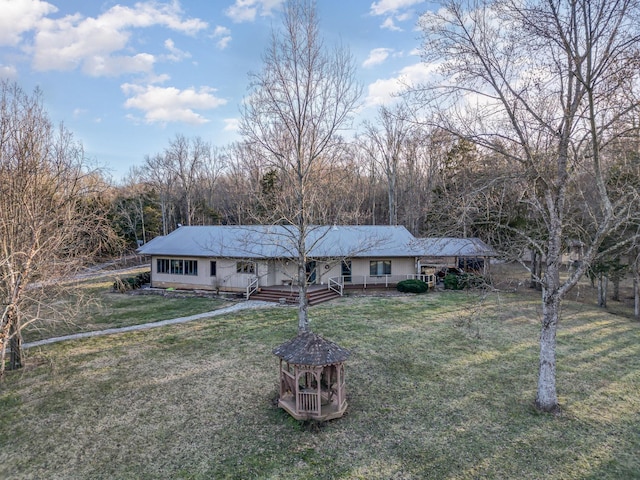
(278, 241)
(339, 241)
(308, 348)
(454, 247)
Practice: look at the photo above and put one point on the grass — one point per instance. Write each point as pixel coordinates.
(102, 308)
(439, 386)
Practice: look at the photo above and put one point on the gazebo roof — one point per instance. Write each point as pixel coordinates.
(307, 348)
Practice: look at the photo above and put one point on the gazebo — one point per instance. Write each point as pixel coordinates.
(312, 382)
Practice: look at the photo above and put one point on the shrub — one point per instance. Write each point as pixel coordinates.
(144, 277)
(412, 286)
(452, 282)
(131, 283)
(459, 282)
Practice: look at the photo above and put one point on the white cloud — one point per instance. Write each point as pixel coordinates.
(91, 43)
(223, 43)
(221, 31)
(8, 72)
(386, 7)
(385, 91)
(112, 66)
(164, 105)
(389, 24)
(395, 11)
(377, 56)
(246, 10)
(223, 34)
(175, 54)
(231, 125)
(20, 16)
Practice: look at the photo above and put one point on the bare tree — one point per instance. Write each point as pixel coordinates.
(548, 85)
(385, 142)
(50, 221)
(185, 159)
(298, 103)
(161, 178)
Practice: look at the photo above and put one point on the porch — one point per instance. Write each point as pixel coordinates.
(336, 287)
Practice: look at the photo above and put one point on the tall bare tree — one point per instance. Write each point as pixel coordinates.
(299, 101)
(549, 84)
(385, 141)
(50, 221)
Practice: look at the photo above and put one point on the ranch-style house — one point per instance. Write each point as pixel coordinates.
(246, 258)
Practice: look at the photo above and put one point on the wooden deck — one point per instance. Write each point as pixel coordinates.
(288, 294)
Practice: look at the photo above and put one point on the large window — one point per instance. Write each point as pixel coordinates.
(191, 267)
(246, 267)
(163, 265)
(177, 266)
(379, 267)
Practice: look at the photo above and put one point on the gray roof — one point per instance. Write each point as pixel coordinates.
(278, 241)
(308, 348)
(454, 247)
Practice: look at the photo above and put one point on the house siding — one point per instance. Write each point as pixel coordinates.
(227, 278)
(269, 272)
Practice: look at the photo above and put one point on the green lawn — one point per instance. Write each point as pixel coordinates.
(102, 308)
(439, 386)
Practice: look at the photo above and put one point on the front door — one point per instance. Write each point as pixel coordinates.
(311, 272)
(346, 270)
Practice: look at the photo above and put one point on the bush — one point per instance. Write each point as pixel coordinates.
(412, 286)
(466, 280)
(131, 283)
(452, 282)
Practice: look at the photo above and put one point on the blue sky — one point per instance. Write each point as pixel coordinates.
(127, 76)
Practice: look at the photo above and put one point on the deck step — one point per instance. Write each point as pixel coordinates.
(291, 297)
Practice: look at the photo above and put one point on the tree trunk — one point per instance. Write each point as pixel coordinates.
(532, 269)
(14, 338)
(536, 270)
(603, 283)
(636, 293)
(4, 336)
(15, 344)
(391, 193)
(547, 398)
(303, 303)
(615, 295)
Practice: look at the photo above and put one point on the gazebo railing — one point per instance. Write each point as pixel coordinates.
(308, 402)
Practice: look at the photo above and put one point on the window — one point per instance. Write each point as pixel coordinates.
(213, 268)
(191, 267)
(246, 267)
(379, 267)
(177, 266)
(163, 265)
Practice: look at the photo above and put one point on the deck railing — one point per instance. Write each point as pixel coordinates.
(252, 287)
(337, 285)
(380, 280)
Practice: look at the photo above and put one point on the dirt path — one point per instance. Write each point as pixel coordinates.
(250, 304)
